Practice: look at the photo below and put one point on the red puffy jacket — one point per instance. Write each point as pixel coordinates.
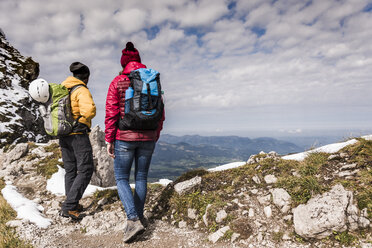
(115, 110)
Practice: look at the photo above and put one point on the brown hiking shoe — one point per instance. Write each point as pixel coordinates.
(80, 208)
(73, 214)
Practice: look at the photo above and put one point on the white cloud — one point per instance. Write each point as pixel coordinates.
(308, 54)
(130, 20)
(203, 12)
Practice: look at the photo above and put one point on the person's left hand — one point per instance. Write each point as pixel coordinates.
(110, 149)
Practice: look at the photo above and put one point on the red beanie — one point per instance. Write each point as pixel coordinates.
(129, 54)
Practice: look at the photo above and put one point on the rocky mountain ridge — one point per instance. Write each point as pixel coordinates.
(323, 201)
(19, 119)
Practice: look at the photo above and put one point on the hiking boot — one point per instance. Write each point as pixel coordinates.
(144, 222)
(132, 229)
(73, 214)
(80, 208)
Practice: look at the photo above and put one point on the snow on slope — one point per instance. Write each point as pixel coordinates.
(56, 184)
(227, 166)
(25, 208)
(332, 148)
(19, 118)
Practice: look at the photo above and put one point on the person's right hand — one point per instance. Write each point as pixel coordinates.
(110, 149)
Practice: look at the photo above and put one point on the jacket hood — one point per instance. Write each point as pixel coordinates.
(71, 82)
(131, 66)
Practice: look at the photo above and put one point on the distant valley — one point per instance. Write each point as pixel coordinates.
(175, 155)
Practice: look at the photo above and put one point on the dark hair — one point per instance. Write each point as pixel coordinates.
(80, 71)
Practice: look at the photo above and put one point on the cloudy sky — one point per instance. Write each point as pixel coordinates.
(227, 67)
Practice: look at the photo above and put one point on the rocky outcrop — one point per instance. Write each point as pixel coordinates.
(333, 211)
(19, 119)
(185, 186)
(281, 199)
(104, 165)
(17, 152)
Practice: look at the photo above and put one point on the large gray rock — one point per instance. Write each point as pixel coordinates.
(323, 214)
(221, 215)
(214, 237)
(185, 186)
(281, 199)
(104, 165)
(17, 152)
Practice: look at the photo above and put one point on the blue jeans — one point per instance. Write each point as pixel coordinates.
(125, 153)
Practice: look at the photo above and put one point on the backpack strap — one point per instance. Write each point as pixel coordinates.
(122, 85)
(70, 91)
(76, 87)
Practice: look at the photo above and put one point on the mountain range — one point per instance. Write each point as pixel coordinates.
(175, 155)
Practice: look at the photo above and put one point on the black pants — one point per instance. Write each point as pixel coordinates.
(77, 159)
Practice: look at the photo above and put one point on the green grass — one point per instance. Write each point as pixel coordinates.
(312, 163)
(301, 189)
(48, 166)
(31, 145)
(194, 200)
(54, 147)
(361, 154)
(8, 235)
(8, 147)
(302, 180)
(109, 194)
(277, 236)
(344, 238)
(191, 174)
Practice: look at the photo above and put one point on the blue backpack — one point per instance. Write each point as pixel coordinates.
(143, 101)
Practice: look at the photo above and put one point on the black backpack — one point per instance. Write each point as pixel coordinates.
(143, 101)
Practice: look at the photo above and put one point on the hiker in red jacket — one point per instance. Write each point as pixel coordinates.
(128, 145)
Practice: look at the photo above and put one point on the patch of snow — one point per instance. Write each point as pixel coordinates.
(3, 127)
(227, 166)
(56, 184)
(332, 148)
(25, 208)
(43, 144)
(38, 137)
(92, 188)
(9, 63)
(4, 52)
(163, 182)
(367, 137)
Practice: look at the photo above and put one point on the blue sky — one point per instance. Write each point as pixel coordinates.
(227, 67)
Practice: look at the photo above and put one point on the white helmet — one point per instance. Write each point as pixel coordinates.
(39, 90)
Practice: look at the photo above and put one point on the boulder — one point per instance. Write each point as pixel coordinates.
(103, 175)
(323, 214)
(221, 215)
(41, 153)
(281, 199)
(17, 152)
(185, 186)
(191, 213)
(270, 179)
(214, 237)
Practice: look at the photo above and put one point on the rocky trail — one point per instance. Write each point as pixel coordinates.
(323, 201)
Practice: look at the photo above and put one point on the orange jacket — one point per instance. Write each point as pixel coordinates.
(82, 104)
